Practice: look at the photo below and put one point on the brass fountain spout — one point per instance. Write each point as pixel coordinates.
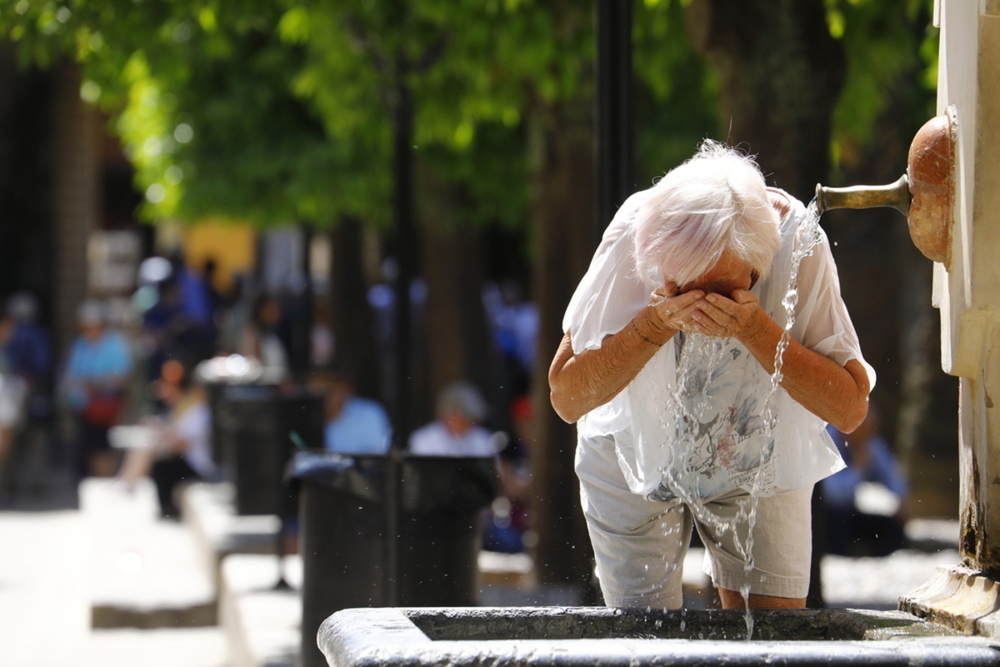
(925, 194)
(895, 195)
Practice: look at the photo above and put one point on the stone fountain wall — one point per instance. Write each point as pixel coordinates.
(968, 294)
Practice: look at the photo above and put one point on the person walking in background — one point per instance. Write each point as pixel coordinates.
(29, 350)
(12, 391)
(507, 528)
(456, 431)
(260, 339)
(94, 385)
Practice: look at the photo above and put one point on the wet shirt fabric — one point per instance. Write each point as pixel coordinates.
(693, 423)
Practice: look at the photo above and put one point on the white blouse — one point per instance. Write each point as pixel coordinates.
(693, 422)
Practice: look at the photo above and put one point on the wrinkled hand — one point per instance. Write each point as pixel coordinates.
(739, 317)
(670, 311)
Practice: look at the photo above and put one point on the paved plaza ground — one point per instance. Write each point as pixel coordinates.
(47, 547)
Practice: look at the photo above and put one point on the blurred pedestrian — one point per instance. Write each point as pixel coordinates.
(29, 350)
(260, 339)
(507, 525)
(322, 345)
(179, 448)
(456, 431)
(94, 385)
(12, 392)
(28, 354)
(354, 424)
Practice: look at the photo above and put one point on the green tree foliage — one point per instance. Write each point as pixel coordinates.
(199, 93)
(475, 70)
(892, 51)
(676, 93)
(279, 111)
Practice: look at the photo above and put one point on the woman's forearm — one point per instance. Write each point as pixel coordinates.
(837, 394)
(578, 383)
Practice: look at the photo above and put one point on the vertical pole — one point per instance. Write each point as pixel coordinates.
(304, 316)
(614, 107)
(405, 247)
(613, 145)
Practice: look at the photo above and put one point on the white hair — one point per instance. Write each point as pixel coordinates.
(716, 201)
(463, 398)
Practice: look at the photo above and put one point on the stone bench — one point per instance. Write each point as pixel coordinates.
(144, 572)
(209, 511)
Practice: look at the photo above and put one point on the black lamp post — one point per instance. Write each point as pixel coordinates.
(614, 108)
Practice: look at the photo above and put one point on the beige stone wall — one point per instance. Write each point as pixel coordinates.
(968, 294)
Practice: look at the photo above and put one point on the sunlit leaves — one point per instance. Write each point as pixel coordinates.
(889, 46)
(281, 110)
(146, 128)
(675, 92)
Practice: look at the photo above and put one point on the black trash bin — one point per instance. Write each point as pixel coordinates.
(347, 506)
(218, 375)
(253, 450)
(258, 426)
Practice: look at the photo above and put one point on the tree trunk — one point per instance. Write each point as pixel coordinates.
(562, 213)
(352, 317)
(28, 166)
(457, 342)
(780, 73)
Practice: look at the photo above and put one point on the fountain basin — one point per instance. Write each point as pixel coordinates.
(571, 636)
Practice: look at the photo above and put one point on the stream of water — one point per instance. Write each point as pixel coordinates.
(694, 453)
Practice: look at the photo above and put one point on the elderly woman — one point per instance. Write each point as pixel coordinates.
(668, 369)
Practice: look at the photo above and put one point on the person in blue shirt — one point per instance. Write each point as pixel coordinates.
(354, 424)
(94, 385)
(854, 527)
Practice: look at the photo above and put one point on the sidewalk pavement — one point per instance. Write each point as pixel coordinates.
(45, 571)
(46, 568)
(45, 605)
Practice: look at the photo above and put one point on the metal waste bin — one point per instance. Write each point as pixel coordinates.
(258, 426)
(253, 450)
(350, 507)
(218, 375)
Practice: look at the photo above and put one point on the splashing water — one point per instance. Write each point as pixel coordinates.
(692, 410)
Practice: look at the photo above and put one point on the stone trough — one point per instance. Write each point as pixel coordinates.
(605, 637)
